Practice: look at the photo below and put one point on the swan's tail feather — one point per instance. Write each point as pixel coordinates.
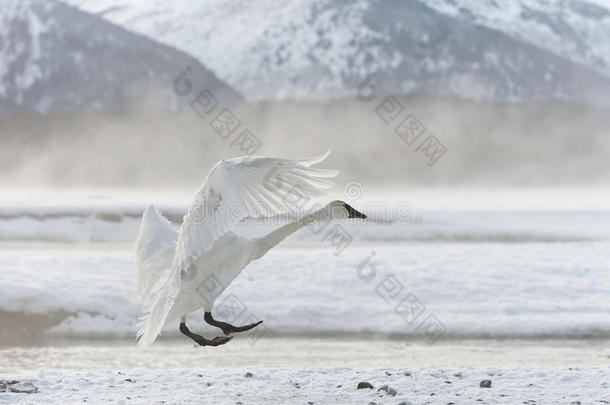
(151, 324)
(155, 247)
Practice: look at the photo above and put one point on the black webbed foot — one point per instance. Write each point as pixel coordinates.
(227, 328)
(201, 341)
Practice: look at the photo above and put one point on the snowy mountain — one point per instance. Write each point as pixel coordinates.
(114, 54)
(578, 30)
(474, 49)
(55, 58)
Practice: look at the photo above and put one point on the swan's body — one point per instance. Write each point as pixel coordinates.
(210, 274)
(205, 256)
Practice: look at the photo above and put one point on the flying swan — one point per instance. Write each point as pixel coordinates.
(194, 265)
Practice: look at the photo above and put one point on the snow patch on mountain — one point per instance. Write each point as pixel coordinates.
(54, 57)
(262, 48)
(271, 49)
(578, 30)
(21, 15)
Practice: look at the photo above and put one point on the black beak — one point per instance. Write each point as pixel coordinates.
(352, 213)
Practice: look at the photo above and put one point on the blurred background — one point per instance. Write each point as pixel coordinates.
(518, 92)
(488, 121)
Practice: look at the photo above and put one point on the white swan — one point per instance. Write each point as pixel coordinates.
(204, 256)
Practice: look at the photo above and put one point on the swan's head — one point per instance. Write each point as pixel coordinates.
(340, 210)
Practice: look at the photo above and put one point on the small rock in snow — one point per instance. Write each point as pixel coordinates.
(15, 386)
(248, 374)
(388, 390)
(485, 384)
(364, 384)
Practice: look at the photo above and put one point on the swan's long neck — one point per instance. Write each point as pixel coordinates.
(273, 238)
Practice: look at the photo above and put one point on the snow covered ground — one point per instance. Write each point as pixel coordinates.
(337, 385)
(423, 214)
(67, 270)
(306, 351)
(483, 289)
(397, 307)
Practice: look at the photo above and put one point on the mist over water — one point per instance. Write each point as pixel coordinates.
(523, 144)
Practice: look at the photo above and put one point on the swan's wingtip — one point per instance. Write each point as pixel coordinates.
(325, 154)
(316, 159)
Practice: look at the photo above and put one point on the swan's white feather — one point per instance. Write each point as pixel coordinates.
(249, 186)
(155, 247)
(207, 253)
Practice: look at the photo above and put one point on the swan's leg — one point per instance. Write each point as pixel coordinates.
(200, 340)
(227, 328)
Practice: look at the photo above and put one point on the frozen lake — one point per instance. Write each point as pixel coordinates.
(303, 352)
(401, 290)
(431, 308)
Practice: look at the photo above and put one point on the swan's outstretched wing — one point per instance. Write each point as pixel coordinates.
(154, 250)
(234, 189)
(249, 186)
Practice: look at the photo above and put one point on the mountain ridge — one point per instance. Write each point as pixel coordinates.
(56, 58)
(323, 49)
